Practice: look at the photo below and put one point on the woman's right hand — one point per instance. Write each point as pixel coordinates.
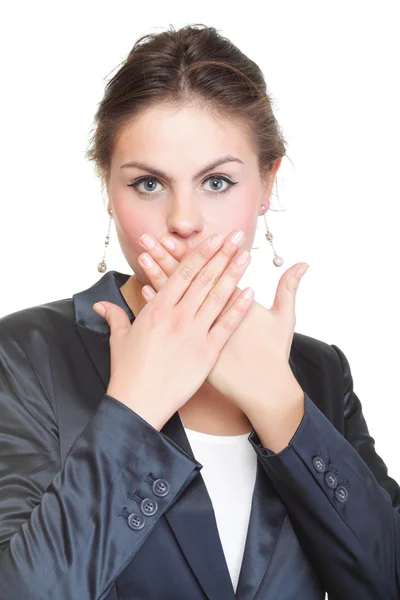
(160, 360)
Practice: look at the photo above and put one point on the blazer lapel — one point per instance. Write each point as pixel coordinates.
(266, 519)
(192, 520)
(93, 331)
(265, 527)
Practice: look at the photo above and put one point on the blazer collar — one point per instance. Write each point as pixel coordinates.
(191, 517)
(106, 288)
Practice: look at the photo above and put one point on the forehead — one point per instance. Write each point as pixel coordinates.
(165, 130)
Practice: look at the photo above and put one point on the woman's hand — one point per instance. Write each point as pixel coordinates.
(253, 366)
(167, 254)
(160, 360)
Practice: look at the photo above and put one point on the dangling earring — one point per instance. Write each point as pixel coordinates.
(102, 267)
(277, 260)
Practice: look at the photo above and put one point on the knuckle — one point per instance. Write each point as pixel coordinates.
(234, 268)
(228, 248)
(205, 251)
(217, 297)
(186, 272)
(241, 306)
(162, 257)
(159, 252)
(157, 275)
(178, 321)
(228, 323)
(156, 313)
(205, 277)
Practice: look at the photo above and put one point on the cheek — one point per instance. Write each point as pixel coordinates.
(242, 216)
(239, 219)
(130, 225)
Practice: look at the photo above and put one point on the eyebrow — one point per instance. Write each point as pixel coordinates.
(159, 173)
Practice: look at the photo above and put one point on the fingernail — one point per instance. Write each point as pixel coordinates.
(216, 240)
(148, 292)
(146, 260)
(248, 293)
(100, 308)
(300, 272)
(147, 241)
(242, 257)
(168, 243)
(237, 237)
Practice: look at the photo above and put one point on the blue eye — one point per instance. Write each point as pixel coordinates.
(149, 178)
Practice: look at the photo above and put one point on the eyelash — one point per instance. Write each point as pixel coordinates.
(135, 184)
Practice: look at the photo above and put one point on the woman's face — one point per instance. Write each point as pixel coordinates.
(181, 143)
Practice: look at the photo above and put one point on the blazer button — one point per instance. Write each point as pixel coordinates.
(136, 521)
(319, 464)
(341, 493)
(330, 480)
(149, 507)
(161, 487)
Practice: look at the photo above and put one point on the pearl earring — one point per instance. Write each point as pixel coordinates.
(102, 267)
(277, 260)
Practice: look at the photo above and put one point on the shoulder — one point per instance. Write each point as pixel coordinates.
(30, 337)
(28, 325)
(322, 364)
(325, 372)
(320, 353)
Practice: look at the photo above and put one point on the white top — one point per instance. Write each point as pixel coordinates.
(229, 473)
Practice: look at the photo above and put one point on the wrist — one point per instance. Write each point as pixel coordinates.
(137, 402)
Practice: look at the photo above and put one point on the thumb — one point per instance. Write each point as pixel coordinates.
(115, 316)
(288, 284)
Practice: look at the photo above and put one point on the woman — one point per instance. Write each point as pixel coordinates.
(185, 443)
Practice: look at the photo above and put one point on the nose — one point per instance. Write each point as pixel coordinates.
(185, 221)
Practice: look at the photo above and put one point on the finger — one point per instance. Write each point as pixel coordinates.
(226, 324)
(193, 263)
(219, 295)
(115, 316)
(163, 257)
(166, 259)
(211, 273)
(155, 274)
(178, 251)
(148, 292)
(232, 299)
(166, 256)
(285, 296)
(175, 247)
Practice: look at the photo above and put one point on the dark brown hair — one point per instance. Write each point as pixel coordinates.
(194, 65)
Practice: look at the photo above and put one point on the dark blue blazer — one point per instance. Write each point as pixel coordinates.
(96, 504)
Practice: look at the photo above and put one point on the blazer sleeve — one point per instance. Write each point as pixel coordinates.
(344, 507)
(69, 532)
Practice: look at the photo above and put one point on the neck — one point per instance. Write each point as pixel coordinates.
(210, 412)
(132, 293)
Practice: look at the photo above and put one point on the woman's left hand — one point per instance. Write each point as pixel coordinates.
(253, 366)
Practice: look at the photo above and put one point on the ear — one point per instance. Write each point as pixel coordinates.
(276, 166)
(269, 182)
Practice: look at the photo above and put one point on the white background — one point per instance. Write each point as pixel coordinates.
(332, 70)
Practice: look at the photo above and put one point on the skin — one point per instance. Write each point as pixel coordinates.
(181, 142)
